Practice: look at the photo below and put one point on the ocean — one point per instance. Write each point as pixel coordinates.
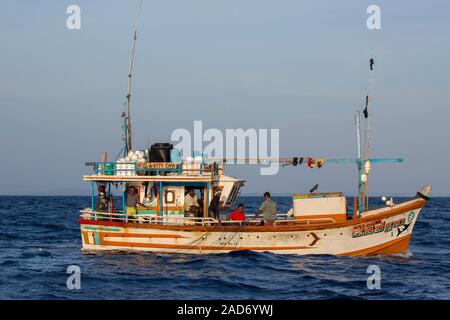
(40, 239)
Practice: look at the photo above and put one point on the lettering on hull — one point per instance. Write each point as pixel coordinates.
(401, 224)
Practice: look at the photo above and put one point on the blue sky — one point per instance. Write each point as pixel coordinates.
(300, 66)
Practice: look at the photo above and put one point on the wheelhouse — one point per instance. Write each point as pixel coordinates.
(161, 189)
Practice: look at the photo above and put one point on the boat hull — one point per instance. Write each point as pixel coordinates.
(383, 231)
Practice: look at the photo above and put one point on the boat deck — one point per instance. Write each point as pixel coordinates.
(89, 217)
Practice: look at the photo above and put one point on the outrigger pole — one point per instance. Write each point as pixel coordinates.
(128, 135)
(293, 160)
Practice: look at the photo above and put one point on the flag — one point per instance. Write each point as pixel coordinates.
(371, 62)
(366, 113)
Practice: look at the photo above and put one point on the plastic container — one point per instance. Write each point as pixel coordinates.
(108, 169)
(160, 152)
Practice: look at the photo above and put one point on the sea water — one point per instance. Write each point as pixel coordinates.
(40, 239)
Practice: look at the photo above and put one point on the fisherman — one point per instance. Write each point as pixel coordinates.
(191, 203)
(102, 204)
(132, 200)
(215, 205)
(268, 209)
(237, 214)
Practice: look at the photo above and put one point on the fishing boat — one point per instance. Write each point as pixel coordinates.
(317, 223)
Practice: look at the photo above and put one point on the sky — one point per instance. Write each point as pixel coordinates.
(298, 66)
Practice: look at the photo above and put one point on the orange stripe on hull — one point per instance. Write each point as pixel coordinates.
(394, 246)
(390, 247)
(140, 235)
(85, 237)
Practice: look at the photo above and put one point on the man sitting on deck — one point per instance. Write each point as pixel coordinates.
(269, 210)
(237, 214)
(191, 203)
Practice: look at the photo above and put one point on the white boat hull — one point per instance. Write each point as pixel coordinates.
(383, 231)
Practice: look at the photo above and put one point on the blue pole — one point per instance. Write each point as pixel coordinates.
(208, 188)
(92, 197)
(161, 198)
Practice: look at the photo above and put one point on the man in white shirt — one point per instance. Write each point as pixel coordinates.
(191, 203)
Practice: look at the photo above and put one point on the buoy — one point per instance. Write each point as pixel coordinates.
(367, 167)
(364, 177)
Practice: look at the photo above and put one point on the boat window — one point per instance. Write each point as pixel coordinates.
(170, 196)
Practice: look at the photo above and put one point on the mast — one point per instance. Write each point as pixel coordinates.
(367, 140)
(359, 162)
(129, 137)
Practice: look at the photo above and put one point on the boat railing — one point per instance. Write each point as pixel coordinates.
(88, 214)
(239, 222)
(309, 220)
(283, 221)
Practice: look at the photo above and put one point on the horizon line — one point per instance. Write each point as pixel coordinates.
(242, 195)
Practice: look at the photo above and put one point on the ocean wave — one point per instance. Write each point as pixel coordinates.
(43, 240)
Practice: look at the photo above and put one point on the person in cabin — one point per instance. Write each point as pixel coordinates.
(102, 203)
(191, 205)
(215, 205)
(132, 200)
(237, 214)
(268, 209)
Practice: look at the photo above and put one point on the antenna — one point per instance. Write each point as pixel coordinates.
(129, 143)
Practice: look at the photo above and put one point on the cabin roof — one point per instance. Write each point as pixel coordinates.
(177, 178)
